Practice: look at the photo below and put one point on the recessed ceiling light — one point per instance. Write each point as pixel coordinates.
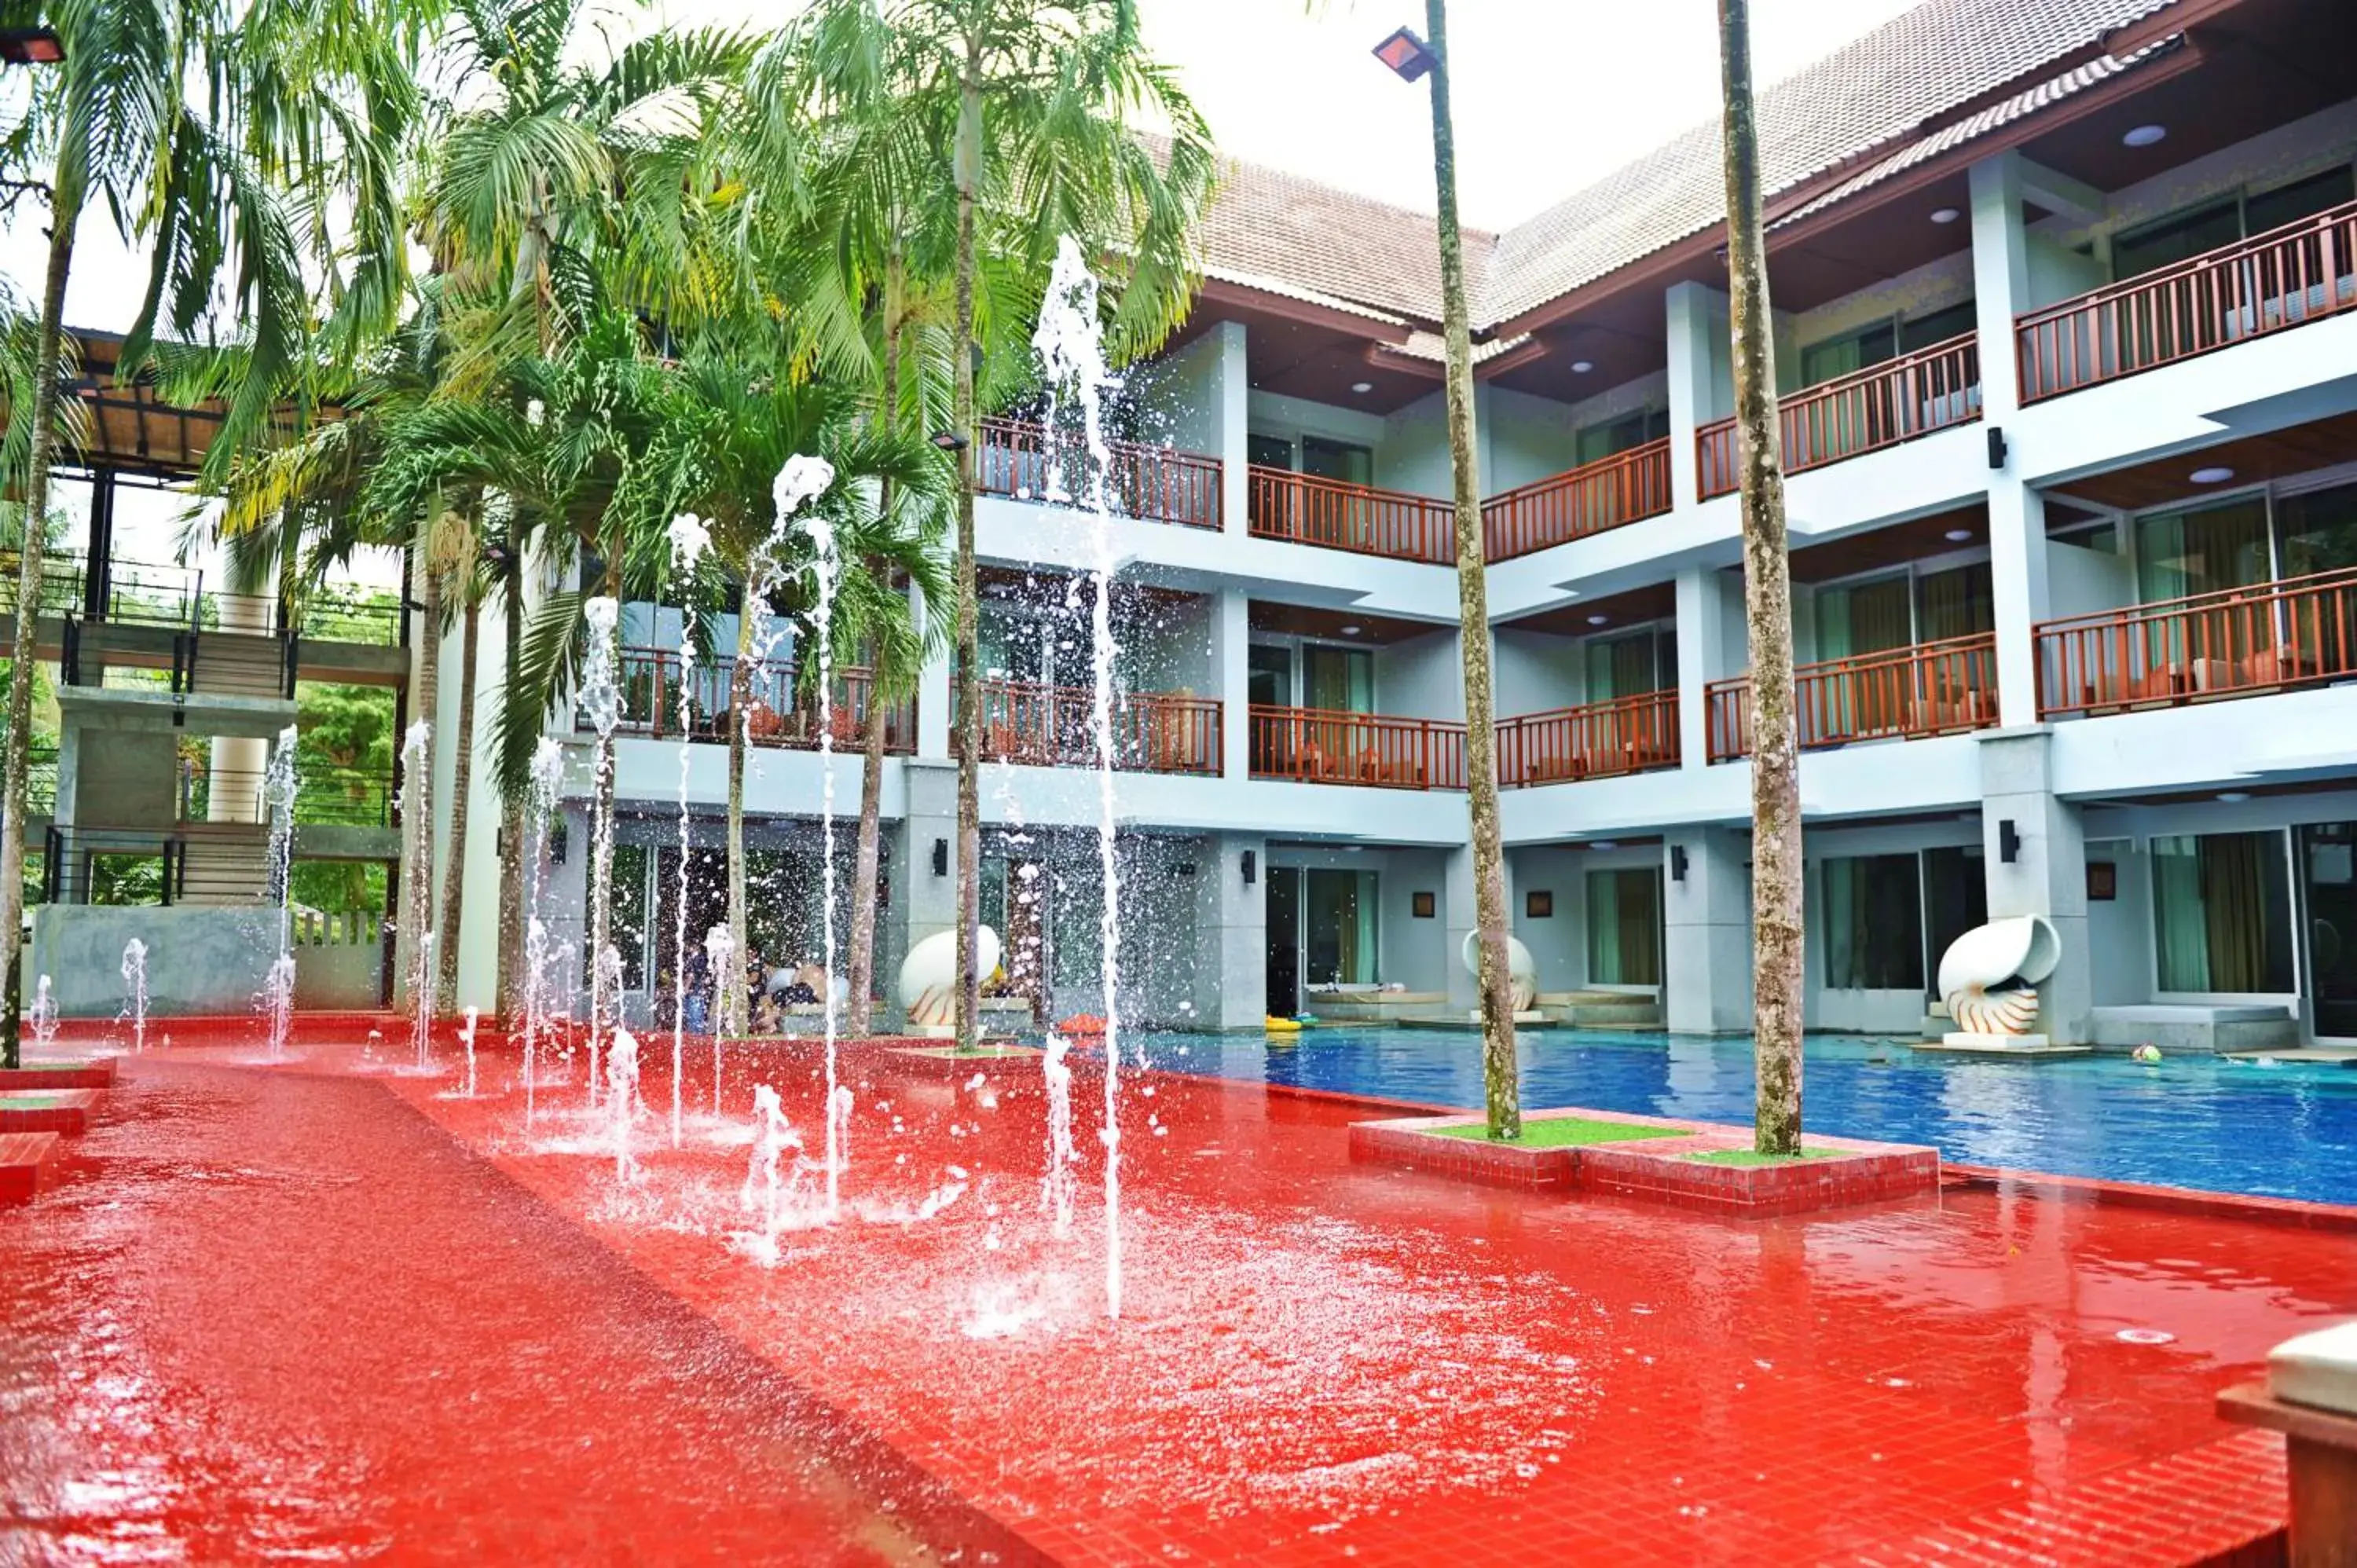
(1597, 620)
(2234, 797)
(1581, 367)
(1604, 844)
(1362, 386)
(1350, 631)
(2214, 476)
(1958, 535)
(1946, 215)
(2144, 136)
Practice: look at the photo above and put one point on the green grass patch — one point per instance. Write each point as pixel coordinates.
(980, 1053)
(1564, 1132)
(28, 1102)
(1752, 1158)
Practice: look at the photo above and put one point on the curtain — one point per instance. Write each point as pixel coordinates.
(1873, 923)
(1638, 896)
(1603, 929)
(2233, 902)
(1956, 603)
(2180, 927)
(1341, 678)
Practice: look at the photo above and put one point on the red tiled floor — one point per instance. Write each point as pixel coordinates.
(1316, 1360)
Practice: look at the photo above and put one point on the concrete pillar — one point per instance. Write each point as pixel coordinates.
(233, 793)
(1231, 934)
(931, 905)
(1701, 390)
(935, 697)
(1231, 406)
(1232, 678)
(1703, 657)
(2047, 875)
(2016, 514)
(1706, 932)
(1458, 909)
(478, 941)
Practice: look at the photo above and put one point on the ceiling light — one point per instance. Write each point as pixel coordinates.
(1597, 620)
(1350, 631)
(1958, 535)
(1362, 387)
(1581, 367)
(2216, 475)
(1946, 215)
(2234, 797)
(2144, 136)
(1605, 844)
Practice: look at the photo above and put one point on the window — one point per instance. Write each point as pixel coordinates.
(1959, 602)
(1338, 680)
(1939, 327)
(1632, 663)
(2300, 199)
(2200, 549)
(2221, 913)
(1873, 923)
(1338, 460)
(2318, 531)
(1864, 617)
(1269, 451)
(1887, 339)
(1341, 928)
(1624, 927)
(2181, 236)
(1596, 441)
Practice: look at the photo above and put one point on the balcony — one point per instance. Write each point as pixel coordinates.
(2236, 642)
(1157, 483)
(1902, 693)
(1055, 726)
(1597, 740)
(1302, 508)
(1882, 406)
(1320, 745)
(780, 715)
(1626, 487)
(2300, 272)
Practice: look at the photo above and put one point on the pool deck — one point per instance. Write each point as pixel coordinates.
(325, 1308)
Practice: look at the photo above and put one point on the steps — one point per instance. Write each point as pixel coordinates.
(1601, 1009)
(63, 1110)
(28, 1162)
(230, 665)
(48, 1077)
(222, 865)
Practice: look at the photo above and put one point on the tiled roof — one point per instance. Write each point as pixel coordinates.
(1877, 93)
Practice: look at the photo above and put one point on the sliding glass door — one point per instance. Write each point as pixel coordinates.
(2328, 861)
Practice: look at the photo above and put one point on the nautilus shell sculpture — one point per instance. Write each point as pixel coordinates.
(928, 975)
(1521, 970)
(2023, 948)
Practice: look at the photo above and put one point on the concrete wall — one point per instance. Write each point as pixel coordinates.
(1537, 670)
(200, 960)
(1421, 677)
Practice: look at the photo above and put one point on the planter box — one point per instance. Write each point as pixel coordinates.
(26, 1161)
(64, 1111)
(44, 1077)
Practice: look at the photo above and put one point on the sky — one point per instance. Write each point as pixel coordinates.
(1550, 95)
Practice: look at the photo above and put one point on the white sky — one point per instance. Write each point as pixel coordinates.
(1550, 96)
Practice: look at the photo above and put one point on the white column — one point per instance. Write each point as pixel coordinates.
(2048, 874)
(1231, 675)
(934, 696)
(1700, 391)
(1231, 387)
(2016, 514)
(1706, 931)
(1703, 657)
(1231, 934)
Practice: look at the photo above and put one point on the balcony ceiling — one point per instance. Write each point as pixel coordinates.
(2278, 455)
(1633, 607)
(1312, 620)
(1881, 549)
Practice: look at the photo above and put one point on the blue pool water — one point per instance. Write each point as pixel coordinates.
(2285, 1131)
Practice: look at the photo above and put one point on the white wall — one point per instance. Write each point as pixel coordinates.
(1421, 678)
(1537, 671)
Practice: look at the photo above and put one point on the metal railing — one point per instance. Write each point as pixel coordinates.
(1054, 726)
(341, 797)
(61, 578)
(1625, 488)
(213, 865)
(1324, 746)
(1931, 688)
(1863, 412)
(779, 717)
(1157, 483)
(1595, 741)
(1302, 509)
(2285, 277)
(2232, 642)
(328, 615)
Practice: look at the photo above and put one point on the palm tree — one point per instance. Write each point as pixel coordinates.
(1041, 105)
(205, 135)
(1778, 975)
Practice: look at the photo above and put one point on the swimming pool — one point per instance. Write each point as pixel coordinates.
(2283, 1131)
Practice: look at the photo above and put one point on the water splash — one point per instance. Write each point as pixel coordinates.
(44, 1017)
(135, 991)
(689, 539)
(277, 1002)
(466, 1039)
(1060, 1187)
(765, 1190)
(602, 701)
(1070, 344)
(279, 786)
(547, 782)
(622, 1100)
(720, 958)
(800, 479)
(417, 822)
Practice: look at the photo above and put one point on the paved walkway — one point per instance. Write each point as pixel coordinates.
(285, 1308)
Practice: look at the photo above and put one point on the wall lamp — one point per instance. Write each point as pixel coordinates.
(1677, 862)
(1408, 55)
(949, 441)
(30, 46)
(1996, 446)
(2009, 841)
(1252, 867)
(941, 857)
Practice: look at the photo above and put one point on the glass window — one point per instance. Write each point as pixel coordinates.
(2202, 550)
(2301, 199)
(1269, 451)
(1075, 928)
(632, 866)
(1624, 927)
(2318, 531)
(2221, 913)
(1873, 923)
(1269, 670)
(1596, 441)
(1341, 928)
(1338, 460)
(1959, 602)
(1864, 617)
(1626, 666)
(2175, 238)
(1837, 357)
(1340, 680)
(1938, 326)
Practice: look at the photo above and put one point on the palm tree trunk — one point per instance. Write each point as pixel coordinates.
(513, 827)
(1776, 897)
(729, 989)
(417, 871)
(1502, 1084)
(969, 658)
(864, 867)
(453, 880)
(65, 212)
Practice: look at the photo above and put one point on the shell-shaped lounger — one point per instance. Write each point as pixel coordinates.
(928, 975)
(1521, 970)
(2022, 948)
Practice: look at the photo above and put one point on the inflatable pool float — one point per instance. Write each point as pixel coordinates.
(1282, 1025)
(1083, 1025)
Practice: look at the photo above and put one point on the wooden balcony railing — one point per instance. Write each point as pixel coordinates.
(1627, 487)
(779, 717)
(1320, 745)
(1596, 740)
(1933, 688)
(1866, 410)
(1158, 483)
(2234, 642)
(1306, 509)
(2284, 278)
(1054, 726)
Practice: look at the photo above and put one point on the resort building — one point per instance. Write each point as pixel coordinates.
(2066, 335)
